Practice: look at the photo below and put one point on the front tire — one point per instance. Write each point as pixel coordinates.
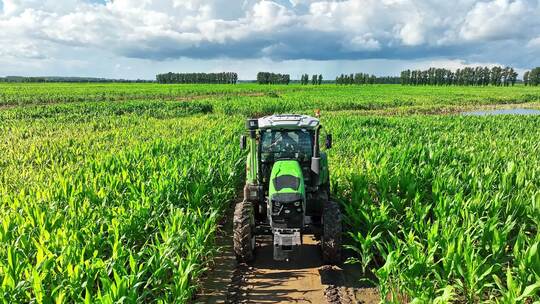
(244, 234)
(331, 236)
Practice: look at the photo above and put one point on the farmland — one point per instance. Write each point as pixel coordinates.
(112, 192)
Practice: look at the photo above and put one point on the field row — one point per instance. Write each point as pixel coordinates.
(442, 207)
(111, 209)
(268, 98)
(106, 202)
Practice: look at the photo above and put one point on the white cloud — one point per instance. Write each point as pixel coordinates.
(362, 43)
(500, 19)
(267, 15)
(534, 43)
(412, 33)
(278, 29)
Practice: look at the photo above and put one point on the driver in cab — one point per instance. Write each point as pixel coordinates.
(285, 142)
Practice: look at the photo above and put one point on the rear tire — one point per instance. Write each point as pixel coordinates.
(244, 234)
(331, 236)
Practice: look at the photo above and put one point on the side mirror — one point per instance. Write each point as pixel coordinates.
(328, 143)
(243, 142)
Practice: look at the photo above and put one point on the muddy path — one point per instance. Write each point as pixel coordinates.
(304, 279)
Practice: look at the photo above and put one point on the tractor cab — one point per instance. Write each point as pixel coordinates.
(287, 180)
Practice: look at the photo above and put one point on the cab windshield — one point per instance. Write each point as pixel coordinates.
(287, 144)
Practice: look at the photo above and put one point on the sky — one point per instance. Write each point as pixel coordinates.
(140, 38)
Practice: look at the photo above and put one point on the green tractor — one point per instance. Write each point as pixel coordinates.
(287, 190)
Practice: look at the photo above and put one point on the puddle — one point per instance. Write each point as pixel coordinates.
(515, 111)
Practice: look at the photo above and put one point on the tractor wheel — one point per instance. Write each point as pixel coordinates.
(244, 234)
(331, 236)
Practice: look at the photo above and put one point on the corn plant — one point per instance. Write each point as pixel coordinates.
(442, 209)
(122, 212)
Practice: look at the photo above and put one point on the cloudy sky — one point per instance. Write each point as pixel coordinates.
(139, 38)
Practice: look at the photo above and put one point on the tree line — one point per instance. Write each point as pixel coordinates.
(315, 79)
(477, 76)
(48, 79)
(272, 78)
(210, 78)
(364, 78)
(532, 77)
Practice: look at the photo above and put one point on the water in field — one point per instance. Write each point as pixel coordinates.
(515, 111)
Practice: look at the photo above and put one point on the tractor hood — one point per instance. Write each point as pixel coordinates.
(286, 182)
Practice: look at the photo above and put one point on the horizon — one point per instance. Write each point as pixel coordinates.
(128, 39)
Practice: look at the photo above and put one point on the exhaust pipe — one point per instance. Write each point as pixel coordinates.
(316, 159)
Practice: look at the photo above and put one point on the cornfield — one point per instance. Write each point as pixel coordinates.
(112, 193)
(111, 211)
(443, 208)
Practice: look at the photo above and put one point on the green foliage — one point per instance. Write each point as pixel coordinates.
(442, 205)
(112, 193)
(273, 78)
(250, 98)
(533, 77)
(111, 208)
(363, 78)
(468, 76)
(213, 78)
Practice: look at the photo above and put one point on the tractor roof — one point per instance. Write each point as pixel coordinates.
(288, 121)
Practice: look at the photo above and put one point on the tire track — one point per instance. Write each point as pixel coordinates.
(303, 279)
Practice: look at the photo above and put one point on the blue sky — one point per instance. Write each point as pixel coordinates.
(140, 38)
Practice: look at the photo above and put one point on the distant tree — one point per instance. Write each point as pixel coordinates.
(534, 77)
(512, 76)
(306, 79)
(364, 79)
(408, 77)
(468, 76)
(319, 80)
(357, 78)
(505, 76)
(486, 76)
(496, 76)
(526, 78)
(211, 78)
(272, 78)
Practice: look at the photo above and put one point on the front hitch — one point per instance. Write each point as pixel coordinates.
(286, 243)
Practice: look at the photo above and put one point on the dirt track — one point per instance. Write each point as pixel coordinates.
(296, 281)
(301, 280)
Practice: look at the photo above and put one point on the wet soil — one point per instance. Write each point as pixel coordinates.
(302, 279)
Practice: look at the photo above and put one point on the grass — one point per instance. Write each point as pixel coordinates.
(112, 192)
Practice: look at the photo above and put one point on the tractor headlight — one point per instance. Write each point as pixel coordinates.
(297, 204)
